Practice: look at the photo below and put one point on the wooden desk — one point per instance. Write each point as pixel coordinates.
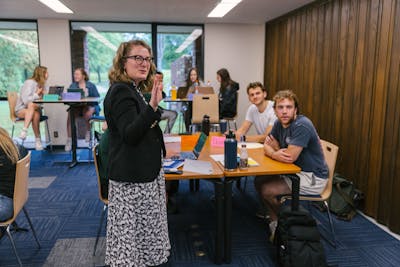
(72, 104)
(223, 188)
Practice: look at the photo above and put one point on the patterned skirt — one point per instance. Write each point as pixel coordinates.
(137, 229)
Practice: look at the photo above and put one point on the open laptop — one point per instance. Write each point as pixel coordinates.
(181, 93)
(56, 90)
(196, 150)
(76, 90)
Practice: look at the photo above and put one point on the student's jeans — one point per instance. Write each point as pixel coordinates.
(6, 208)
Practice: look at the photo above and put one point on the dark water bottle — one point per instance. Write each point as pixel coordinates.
(230, 152)
(205, 125)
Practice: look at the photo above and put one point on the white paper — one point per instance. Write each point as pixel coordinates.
(172, 139)
(251, 145)
(198, 166)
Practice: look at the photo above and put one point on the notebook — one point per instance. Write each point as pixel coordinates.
(196, 150)
(56, 90)
(76, 90)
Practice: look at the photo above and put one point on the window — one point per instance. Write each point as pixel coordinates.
(19, 54)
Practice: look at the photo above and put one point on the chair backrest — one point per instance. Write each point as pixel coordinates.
(21, 191)
(12, 102)
(96, 164)
(205, 105)
(330, 152)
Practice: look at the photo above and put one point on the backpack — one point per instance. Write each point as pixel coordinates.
(297, 238)
(345, 198)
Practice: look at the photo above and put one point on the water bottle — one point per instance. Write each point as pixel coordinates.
(230, 152)
(196, 88)
(205, 125)
(244, 157)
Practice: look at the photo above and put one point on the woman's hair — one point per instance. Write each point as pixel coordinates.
(189, 82)
(225, 79)
(287, 94)
(8, 146)
(84, 73)
(117, 72)
(39, 75)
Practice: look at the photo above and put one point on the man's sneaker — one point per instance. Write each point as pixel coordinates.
(38, 144)
(68, 145)
(272, 230)
(87, 137)
(23, 134)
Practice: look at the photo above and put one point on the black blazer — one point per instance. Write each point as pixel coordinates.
(135, 139)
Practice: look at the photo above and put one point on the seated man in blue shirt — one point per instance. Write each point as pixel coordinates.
(293, 139)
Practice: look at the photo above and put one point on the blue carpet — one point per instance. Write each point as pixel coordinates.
(69, 209)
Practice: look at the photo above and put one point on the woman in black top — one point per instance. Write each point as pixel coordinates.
(9, 156)
(137, 230)
(227, 94)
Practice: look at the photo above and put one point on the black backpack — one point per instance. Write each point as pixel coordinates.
(297, 238)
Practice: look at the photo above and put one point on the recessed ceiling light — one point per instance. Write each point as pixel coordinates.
(57, 6)
(222, 8)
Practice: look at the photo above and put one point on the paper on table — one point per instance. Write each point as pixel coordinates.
(199, 166)
(172, 139)
(221, 158)
(251, 145)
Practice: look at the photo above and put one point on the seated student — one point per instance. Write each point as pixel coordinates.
(81, 80)
(293, 139)
(192, 82)
(31, 90)
(9, 155)
(260, 113)
(227, 94)
(166, 114)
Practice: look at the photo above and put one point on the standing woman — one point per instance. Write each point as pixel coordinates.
(192, 82)
(31, 90)
(81, 80)
(227, 94)
(137, 230)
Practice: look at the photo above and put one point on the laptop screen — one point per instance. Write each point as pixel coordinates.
(76, 90)
(56, 90)
(200, 144)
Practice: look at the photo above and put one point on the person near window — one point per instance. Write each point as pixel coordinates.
(227, 94)
(293, 139)
(137, 228)
(32, 89)
(260, 113)
(81, 80)
(192, 82)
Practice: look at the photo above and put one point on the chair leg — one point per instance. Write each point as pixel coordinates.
(31, 225)
(48, 135)
(98, 230)
(13, 245)
(331, 224)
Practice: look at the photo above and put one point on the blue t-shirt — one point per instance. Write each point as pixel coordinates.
(301, 132)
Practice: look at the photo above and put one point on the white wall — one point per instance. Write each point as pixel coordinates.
(238, 48)
(55, 54)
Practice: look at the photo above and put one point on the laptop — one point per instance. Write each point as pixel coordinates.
(56, 90)
(76, 90)
(196, 150)
(181, 93)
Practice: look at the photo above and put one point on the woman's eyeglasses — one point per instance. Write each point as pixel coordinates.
(139, 59)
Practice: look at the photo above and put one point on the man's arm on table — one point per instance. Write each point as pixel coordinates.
(286, 155)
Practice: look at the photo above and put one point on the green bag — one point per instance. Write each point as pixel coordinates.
(345, 198)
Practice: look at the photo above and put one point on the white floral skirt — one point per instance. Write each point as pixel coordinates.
(137, 228)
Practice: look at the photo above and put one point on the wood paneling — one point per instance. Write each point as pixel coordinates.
(342, 59)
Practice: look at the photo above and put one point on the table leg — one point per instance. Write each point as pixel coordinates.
(219, 202)
(228, 220)
(73, 136)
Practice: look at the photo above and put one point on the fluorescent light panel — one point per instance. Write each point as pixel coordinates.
(193, 36)
(57, 6)
(222, 8)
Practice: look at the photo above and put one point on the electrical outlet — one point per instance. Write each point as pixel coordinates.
(55, 134)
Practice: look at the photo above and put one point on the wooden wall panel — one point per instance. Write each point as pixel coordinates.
(342, 58)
